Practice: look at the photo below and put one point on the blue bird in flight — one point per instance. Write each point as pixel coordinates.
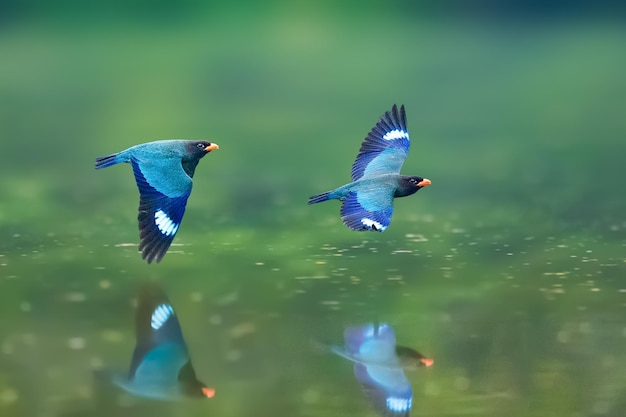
(376, 180)
(163, 171)
(161, 367)
(379, 366)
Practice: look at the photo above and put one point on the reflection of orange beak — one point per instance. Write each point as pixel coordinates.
(423, 183)
(208, 392)
(211, 147)
(427, 362)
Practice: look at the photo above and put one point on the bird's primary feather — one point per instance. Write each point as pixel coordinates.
(385, 148)
(388, 389)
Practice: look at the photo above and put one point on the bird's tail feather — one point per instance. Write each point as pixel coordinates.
(319, 198)
(106, 161)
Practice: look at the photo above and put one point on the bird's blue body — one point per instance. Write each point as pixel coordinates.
(163, 171)
(376, 179)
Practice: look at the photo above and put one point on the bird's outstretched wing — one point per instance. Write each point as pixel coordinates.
(368, 210)
(161, 351)
(162, 202)
(385, 148)
(387, 389)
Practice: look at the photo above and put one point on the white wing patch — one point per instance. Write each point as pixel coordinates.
(164, 223)
(399, 404)
(373, 224)
(396, 134)
(160, 315)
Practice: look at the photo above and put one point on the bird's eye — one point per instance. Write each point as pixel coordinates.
(200, 146)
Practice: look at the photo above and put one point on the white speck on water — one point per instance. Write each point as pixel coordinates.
(595, 289)
(416, 238)
(75, 297)
(25, 306)
(233, 355)
(105, 284)
(9, 396)
(76, 343)
(196, 297)
(29, 339)
(215, 319)
(242, 329)
(96, 363)
(311, 396)
(259, 263)
(584, 327)
(312, 277)
(112, 336)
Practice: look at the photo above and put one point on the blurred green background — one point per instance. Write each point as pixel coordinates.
(508, 270)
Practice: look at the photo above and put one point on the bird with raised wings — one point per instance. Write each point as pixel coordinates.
(376, 180)
(163, 171)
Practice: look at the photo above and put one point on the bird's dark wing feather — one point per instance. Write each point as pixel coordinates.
(385, 148)
(160, 213)
(368, 210)
(156, 326)
(387, 389)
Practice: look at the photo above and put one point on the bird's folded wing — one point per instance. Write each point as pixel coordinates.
(368, 210)
(162, 205)
(387, 389)
(385, 148)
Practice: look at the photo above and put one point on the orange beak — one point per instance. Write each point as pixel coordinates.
(427, 362)
(424, 183)
(208, 392)
(211, 147)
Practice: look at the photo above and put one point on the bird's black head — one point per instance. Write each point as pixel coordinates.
(196, 149)
(410, 185)
(411, 358)
(197, 389)
(190, 385)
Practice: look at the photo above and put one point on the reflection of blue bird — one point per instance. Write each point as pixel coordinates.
(161, 367)
(376, 179)
(163, 171)
(379, 366)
